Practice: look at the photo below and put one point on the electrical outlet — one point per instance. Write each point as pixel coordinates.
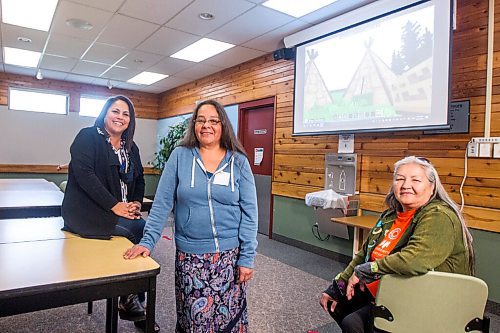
(485, 149)
(496, 150)
(486, 140)
(473, 149)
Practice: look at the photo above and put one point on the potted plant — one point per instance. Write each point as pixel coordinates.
(169, 142)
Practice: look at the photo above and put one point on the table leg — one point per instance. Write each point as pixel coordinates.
(358, 240)
(112, 315)
(151, 306)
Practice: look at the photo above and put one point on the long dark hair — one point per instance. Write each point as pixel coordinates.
(439, 193)
(228, 140)
(128, 134)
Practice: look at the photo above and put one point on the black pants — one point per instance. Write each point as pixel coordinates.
(132, 230)
(355, 315)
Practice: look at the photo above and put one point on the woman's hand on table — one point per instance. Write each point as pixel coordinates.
(135, 251)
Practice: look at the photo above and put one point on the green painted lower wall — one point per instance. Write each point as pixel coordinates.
(487, 251)
(293, 219)
(57, 178)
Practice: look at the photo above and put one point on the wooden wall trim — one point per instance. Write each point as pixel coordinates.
(33, 168)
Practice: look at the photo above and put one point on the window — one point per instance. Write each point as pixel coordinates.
(38, 101)
(91, 106)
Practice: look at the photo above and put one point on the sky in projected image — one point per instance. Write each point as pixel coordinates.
(338, 66)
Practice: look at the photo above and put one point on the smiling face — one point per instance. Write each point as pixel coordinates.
(208, 134)
(117, 118)
(411, 186)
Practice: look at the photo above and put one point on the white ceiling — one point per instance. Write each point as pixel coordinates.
(131, 36)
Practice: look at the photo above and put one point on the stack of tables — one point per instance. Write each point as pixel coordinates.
(23, 198)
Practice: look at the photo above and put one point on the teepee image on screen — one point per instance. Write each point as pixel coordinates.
(375, 75)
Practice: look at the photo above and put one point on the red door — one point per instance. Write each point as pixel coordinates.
(256, 133)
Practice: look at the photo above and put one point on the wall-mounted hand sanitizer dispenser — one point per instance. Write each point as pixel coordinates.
(340, 173)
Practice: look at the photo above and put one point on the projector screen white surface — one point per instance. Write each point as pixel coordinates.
(384, 73)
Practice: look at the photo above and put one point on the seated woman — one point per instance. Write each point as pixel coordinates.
(422, 230)
(105, 186)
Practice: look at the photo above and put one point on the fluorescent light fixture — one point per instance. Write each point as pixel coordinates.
(201, 50)
(33, 14)
(297, 8)
(147, 78)
(20, 57)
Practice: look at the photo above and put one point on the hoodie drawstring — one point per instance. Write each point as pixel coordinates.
(232, 173)
(192, 171)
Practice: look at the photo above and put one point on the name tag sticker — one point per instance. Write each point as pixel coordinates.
(221, 178)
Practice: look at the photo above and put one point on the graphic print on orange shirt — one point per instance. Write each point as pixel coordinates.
(389, 242)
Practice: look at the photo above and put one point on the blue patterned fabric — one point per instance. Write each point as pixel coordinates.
(208, 298)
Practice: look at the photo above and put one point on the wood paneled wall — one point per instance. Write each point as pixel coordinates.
(146, 104)
(299, 161)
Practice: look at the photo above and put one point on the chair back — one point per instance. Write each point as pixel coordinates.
(62, 186)
(434, 302)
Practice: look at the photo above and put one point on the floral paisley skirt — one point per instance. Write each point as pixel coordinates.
(208, 299)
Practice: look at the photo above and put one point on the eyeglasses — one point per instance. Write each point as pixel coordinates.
(203, 121)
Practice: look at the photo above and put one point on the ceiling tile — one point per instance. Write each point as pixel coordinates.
(66, 10)
(126, 31)
(171, 66)
(66, 46)
(80, 78)
(104, 53)
(335, 9)
(177, 40)
(139, 60)
(120, 74)
(156, 11)
(168, 83)
(60, 64)
(273, 40)
(252, 24)
(198, 71)
(130, 86)
(109, 5)
(10, 33)
(233, 57)
(55, 75)
(89, 68)
(20, 70)
(223, 10)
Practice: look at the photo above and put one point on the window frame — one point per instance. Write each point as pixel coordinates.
(39, 91)
(95, 97)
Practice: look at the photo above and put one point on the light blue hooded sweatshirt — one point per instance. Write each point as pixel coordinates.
(212, 214)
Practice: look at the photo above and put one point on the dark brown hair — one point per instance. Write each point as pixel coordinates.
(228, 139)
(128, 134)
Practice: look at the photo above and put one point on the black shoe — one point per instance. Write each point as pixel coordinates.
(142, 325)
(130, 308)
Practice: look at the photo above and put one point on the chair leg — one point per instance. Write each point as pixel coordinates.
(90, 307)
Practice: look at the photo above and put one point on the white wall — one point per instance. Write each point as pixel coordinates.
(42, 138)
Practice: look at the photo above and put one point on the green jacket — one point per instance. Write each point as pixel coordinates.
(432, 241)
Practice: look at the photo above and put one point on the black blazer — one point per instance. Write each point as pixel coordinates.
(93, 186)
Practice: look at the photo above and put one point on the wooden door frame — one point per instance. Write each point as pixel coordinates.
(260, 103)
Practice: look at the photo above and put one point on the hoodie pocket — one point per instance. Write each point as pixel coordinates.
(197, 224)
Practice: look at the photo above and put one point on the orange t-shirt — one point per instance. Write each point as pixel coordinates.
(390, 240)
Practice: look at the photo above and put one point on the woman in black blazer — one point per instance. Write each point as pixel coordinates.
(105, 186)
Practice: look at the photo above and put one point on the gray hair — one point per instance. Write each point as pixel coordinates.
(439, 193)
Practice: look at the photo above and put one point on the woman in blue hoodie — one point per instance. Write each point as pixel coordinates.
(208, 181)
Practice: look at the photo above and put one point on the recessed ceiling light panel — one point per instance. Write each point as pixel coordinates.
(20, 57)
(33, 14)
(201, 50)
(147, 78)
(297, 8)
